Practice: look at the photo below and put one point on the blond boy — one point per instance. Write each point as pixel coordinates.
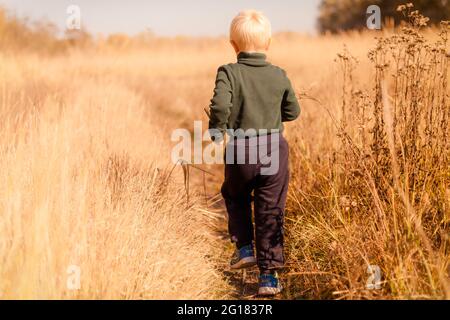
(252, 98)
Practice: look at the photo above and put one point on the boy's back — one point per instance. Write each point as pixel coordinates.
(252, 94)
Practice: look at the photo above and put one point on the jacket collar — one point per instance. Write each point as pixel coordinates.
(255, 59)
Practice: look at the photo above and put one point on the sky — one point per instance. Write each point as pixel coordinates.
(168, 17)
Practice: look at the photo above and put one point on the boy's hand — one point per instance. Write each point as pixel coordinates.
(217, 136)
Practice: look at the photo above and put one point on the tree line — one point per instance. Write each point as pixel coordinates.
(342, 15)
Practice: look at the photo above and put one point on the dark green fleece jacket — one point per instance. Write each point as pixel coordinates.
(252, 94)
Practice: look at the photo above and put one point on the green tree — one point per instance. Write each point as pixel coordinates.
(341, 15)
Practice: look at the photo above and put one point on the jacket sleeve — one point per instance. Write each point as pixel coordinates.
(221, 103)
(290, 109)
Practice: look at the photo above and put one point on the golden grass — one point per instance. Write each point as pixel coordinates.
(85, 182)
(373, 189)
(87, 179)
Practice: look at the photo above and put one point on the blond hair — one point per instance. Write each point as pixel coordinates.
(251, 31)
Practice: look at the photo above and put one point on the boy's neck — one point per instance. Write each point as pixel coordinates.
(252, 54)
(253, 51)
(256, 59)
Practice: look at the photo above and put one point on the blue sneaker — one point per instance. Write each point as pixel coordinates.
(269, 285)
(243, 258)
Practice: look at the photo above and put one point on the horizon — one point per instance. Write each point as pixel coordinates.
(186, 19)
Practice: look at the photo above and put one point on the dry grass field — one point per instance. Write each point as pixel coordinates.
(87, 180)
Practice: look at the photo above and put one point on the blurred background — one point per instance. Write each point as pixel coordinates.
(127, 20)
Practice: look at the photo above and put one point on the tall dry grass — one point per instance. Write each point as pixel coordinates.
(87, 179)
(378, 192)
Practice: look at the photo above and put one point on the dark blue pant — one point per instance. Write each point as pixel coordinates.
(269, 195)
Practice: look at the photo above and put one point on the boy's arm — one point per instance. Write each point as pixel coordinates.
(290, 109)
(221, 104)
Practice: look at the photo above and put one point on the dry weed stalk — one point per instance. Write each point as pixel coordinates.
(385, 200)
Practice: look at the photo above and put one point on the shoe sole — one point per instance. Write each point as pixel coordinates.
(244, 263)
(267, 291)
